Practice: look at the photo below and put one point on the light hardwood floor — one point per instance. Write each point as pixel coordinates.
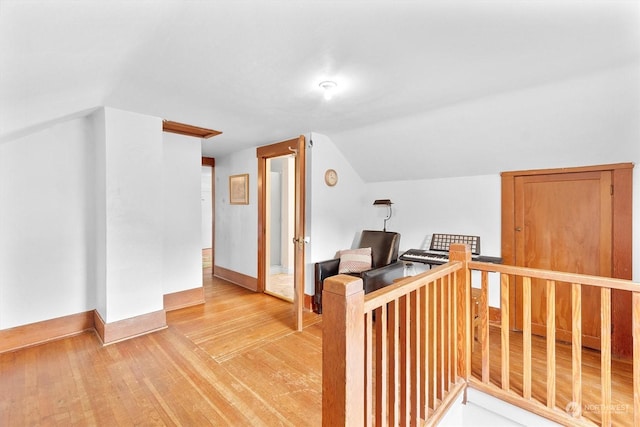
(233, 361)
(621, 376)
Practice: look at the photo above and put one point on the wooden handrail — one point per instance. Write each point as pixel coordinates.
(407, 285)
(558, 276)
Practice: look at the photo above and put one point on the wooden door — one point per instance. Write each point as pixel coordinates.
(518, 244)
(564, 223)
(297, 148)
(299, 232)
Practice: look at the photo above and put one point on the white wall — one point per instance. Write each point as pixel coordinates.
(334, 214)
(46, 224)
(237, 225)
(97, 213)
(99, 141)
(423, 207)
(134, 215)
(181, 183)
(206, 207)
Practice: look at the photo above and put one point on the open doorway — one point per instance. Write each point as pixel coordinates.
(207, 218)
(296, 150)
(280, 204)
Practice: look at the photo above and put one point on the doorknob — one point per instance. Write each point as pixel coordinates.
(518, 228)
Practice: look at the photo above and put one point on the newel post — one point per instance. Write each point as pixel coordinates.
(462, 253)
(343, 351)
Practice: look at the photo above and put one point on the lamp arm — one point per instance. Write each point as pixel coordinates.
(386, 219)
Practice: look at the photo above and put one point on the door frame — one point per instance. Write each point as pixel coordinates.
(297, 147)
(621, 241)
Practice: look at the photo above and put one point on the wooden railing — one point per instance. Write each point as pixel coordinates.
(402, 355)
(399, 355)
(574, 409)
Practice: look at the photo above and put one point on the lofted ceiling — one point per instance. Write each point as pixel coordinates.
(251, 68)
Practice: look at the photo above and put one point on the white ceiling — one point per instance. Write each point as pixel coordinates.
(251, 68)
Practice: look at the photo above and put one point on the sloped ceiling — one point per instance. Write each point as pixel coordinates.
(251, 68)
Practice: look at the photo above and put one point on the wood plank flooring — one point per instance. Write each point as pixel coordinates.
(621, 376)
(232, 361)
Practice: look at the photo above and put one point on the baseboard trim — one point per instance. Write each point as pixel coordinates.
(308, 302)
(495, 315)
(183, 299)
(45, 331)
(124, 329)
(49, 330)
(240, 279)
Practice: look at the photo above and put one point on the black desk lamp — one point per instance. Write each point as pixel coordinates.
(387, 203)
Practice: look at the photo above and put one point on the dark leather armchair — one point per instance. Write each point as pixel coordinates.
(385, 267)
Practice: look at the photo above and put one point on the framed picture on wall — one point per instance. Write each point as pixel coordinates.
(239, 189)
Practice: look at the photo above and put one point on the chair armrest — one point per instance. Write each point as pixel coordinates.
(380, 277)
(323, 269)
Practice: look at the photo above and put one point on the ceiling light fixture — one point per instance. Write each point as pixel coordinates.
(329, 88)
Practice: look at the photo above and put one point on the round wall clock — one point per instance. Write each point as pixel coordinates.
(331, 177)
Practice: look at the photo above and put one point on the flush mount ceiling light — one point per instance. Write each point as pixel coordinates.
(329, 88)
